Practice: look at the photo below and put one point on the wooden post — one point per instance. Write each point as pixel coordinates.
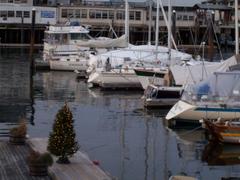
(210, 35)
(32, 40)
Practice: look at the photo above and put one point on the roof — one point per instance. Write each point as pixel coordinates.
(212, 7)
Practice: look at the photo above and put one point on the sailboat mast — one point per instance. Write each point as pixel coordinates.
(150, 22)
(126, 22)
(169, 28)
(236, 28)
(157, 27)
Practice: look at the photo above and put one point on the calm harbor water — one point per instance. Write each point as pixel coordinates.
(130, 142)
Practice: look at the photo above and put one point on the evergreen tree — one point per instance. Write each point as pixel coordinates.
(62, 141)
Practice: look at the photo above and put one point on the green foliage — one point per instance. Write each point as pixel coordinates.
(40, 159)
(20, 130)
(62, 139)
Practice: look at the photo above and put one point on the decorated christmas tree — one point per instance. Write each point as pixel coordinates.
(62, 141)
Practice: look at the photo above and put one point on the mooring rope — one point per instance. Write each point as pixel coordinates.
(190, 131)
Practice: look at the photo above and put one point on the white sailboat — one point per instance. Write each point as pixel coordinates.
(146, 54)
(216, 97)
(221, 101)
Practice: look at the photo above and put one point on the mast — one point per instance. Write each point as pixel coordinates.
(126, 22)
(236, 28)
(169, 28)
(150, 22)
(157, 27)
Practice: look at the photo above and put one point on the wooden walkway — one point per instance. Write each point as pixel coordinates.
(80, 168)
(13, 164)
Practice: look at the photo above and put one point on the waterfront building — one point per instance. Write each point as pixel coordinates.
(101, 16)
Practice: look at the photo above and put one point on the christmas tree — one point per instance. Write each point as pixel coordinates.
(62, 141)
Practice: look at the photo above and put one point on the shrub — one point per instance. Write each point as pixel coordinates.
(39, 158)
(20, 130)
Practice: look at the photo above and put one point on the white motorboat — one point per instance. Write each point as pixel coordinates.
(67, 47)
(216, 97)
(161, 96)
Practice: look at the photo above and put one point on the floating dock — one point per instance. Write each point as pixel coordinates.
(13, 165)
(80, 168)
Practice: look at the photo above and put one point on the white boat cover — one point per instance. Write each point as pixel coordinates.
(220, 86)
(104, 42)
(142, 53)
(196, 73)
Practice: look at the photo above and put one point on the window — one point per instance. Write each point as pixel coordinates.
(161, 18)
(111, 14)
(98, 14)
(92, 14)
(191, 18)
(10, 13)
(131, 15)
(77, 13)
(64, 13)
(185, 17)
(79, 36)
(84, 13)
(70, 13)
(104, 14)
(18, 13)
(3, 13)
(26, 14)
(179, 17)
(120, 15)
(138, 15)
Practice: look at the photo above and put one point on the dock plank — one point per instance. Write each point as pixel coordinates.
(13, 165)
(80, 168)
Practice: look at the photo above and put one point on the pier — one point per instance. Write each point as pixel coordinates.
(13, 165)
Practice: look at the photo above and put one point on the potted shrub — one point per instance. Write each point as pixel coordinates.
(17, 135)
(38, 163)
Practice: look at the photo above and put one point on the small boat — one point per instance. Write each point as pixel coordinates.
(224, 132)
(181, 177)
(161, 96)
(218, 154)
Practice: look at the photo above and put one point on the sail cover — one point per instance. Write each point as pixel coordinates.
(104, 42)
(185, 74)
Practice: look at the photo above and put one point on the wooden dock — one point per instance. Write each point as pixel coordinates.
(13, 165)
(80, 168)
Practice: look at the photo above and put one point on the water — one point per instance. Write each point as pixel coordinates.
(130, 142)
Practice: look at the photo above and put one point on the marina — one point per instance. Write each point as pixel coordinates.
(112, 127)
(86, 93)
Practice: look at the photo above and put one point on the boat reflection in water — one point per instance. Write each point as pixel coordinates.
(216, 154)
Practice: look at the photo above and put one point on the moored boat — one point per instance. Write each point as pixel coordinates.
(224, 132)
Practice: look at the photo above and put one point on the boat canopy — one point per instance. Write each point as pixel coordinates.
(220, 86)
(185, 74)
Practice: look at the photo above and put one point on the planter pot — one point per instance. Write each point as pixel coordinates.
(38, 169)
(17, 140)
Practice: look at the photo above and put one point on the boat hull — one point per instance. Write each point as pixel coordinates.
(66, 65)
(147, 77)
(183, 110)
(114, 79)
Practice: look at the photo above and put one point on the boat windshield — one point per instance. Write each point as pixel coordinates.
(221, 86)
(56, 38)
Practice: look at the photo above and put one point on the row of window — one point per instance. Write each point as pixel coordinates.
(99, 14)
(25, 14)
(109, 14)
(14, 1)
